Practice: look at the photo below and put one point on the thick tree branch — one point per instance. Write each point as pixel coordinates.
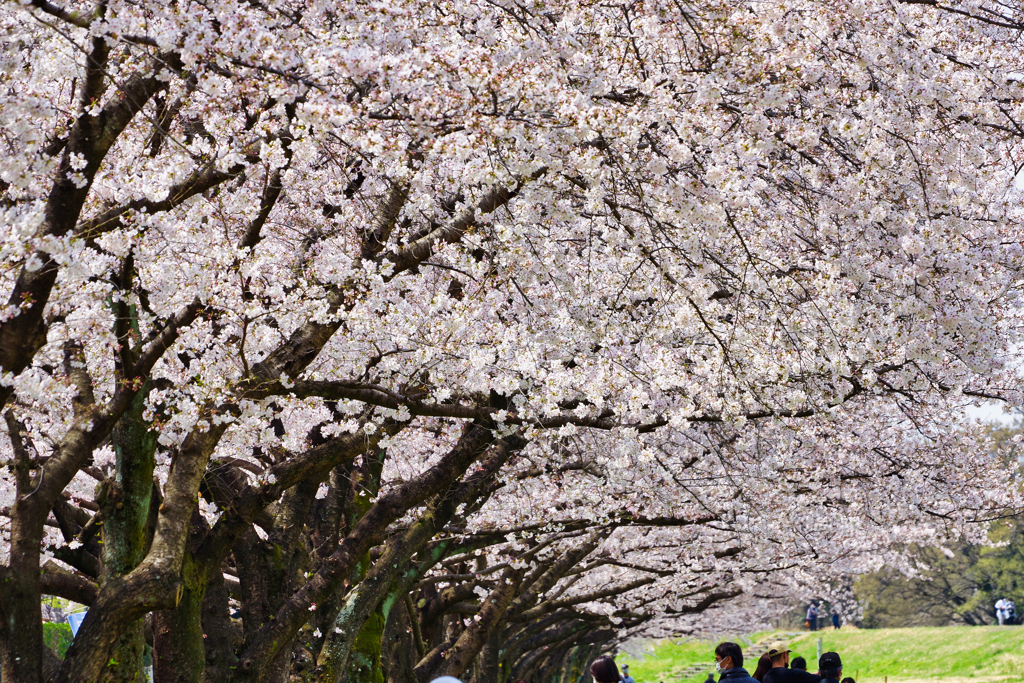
(269, 641)
(68, 585)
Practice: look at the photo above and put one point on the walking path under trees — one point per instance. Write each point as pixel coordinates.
(384, 340)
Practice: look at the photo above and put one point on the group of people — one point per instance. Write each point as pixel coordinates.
(774, 666)
(1006, 611)
(813, 615)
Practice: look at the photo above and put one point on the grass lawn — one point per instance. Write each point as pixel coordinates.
(955, 654)
(979, 653)
(670, 657)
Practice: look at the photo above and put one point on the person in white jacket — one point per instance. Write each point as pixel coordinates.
(1001, 610)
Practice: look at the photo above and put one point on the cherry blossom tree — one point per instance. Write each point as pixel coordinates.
(366, 341)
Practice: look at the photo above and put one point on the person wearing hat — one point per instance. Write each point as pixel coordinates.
(626, 678)
(780, 673)
(830, 667)
(729, 664)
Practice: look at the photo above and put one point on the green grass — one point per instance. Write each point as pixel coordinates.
(667, 660)
(986, 654)
(969, 652)
(673, 656)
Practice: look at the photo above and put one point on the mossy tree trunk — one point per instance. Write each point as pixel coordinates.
(127, 494)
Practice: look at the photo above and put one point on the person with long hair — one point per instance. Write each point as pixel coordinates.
(763, 664)
(604, 670)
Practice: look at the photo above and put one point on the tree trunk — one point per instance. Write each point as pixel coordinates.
(489, 665)
(482, 626)
(364, 664)
(221, 636)
(21, 650)
(126, 513)
(400, 651)
(178, 653)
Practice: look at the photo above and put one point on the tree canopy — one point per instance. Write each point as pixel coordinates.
(376, 341)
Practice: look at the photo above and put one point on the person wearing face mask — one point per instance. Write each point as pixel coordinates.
(729, 664)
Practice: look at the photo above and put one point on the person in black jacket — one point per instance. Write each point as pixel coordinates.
(779, 673)
(830, 667)
(729, 663)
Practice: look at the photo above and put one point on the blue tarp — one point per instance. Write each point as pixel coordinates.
(75, 620)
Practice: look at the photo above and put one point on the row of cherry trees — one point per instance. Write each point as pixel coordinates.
(377, 341)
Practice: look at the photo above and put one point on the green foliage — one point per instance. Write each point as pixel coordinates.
(957, 589)
(945, 594)
(57, 637)
(961, 589)
(1002, 435)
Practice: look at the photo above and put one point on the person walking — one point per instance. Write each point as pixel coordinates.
(626, 678)
(780, 673)
(729, 664)
(835, 618)
(830, 667)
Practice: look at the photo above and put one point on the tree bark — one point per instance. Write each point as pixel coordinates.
(268, 644)
(220, 635)
(370, 594)
(480, 628)
(126, 511)
(178, 652)
(21, 651)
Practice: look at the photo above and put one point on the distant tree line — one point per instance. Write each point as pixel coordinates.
(957, 588)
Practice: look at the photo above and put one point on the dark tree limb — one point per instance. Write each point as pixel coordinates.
(267, 644)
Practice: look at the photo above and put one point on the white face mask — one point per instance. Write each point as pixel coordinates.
(719, 668)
